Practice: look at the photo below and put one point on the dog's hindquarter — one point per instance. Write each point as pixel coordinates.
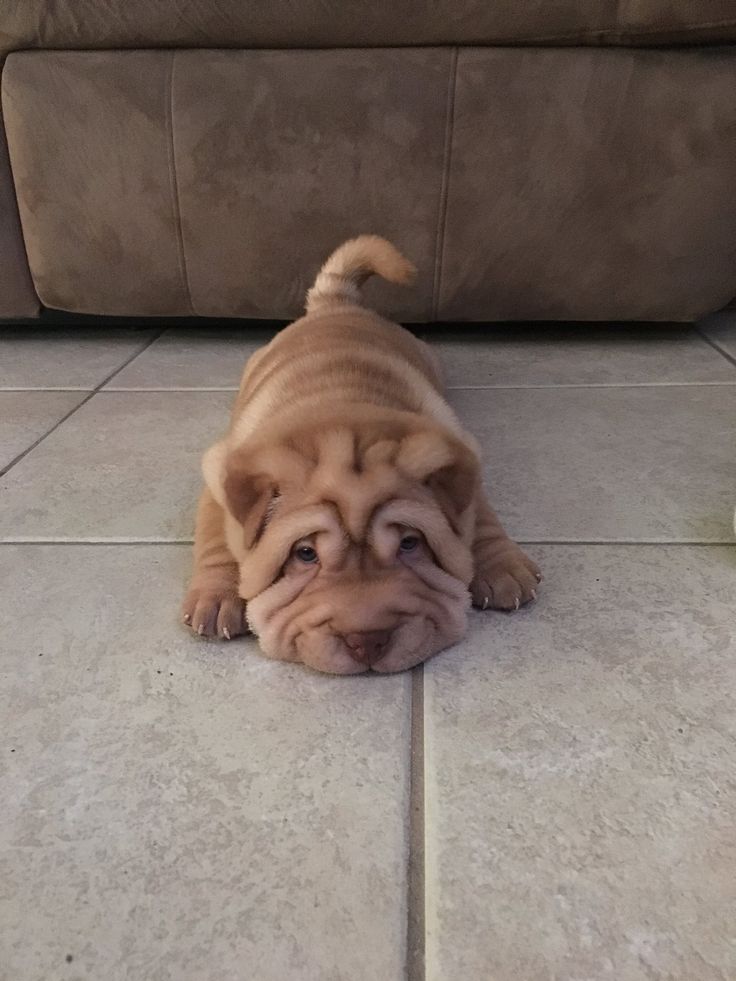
(346, 356)
(341, 354)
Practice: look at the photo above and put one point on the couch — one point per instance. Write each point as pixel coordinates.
(537, 159)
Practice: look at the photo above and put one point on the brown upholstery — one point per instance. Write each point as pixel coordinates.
(297, 152)
(599, 186)
(547, 184)
(272, 159)
(92, 174)
(17, 295)
(341, 23)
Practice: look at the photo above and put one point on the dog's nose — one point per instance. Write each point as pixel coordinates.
(369, 646)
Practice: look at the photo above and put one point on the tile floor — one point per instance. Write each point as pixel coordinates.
(552, 800)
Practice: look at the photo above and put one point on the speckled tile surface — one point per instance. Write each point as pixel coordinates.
(552, 800)
(580, 778)
(180, 810)
(81, 359)
(126, 465)
(613, 464)
(559, 354)
(211, 357)
(26, 416)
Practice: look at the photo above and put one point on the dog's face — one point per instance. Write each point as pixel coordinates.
(354, 549)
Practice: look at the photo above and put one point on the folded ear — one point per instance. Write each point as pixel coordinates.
(248, 496)
(447, 466)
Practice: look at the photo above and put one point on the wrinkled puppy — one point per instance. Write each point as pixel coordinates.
(344, 506)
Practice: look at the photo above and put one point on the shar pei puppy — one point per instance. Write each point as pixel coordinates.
(344, 520)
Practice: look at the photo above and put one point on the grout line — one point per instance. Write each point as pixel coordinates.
(127, 542)
(415, 924)
(90, 394)
(123, 389)
(716, 346)
(44, 388)
(693, 384)
(676, 543)
(450, 388)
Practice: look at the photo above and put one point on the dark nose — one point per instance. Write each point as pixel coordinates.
(368, 647)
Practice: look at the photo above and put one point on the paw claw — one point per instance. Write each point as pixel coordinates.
(505, 579)
(214, 612)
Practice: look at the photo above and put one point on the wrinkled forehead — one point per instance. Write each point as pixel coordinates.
(356, 488)
(357, 500)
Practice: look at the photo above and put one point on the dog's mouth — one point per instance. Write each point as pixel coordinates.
(382, 628)
(412, 641)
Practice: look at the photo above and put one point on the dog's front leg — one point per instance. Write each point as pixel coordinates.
(504, 576)
(212, 606)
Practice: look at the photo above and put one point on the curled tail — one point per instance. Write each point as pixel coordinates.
(349, 266)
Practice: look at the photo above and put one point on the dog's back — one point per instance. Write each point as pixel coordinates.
(341, 352)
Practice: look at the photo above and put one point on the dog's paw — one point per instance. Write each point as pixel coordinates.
(213, 613)
(506, 580)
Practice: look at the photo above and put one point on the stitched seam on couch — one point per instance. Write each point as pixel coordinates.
(439, 244)
(174, 183)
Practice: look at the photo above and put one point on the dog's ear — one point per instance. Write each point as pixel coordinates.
(248, 496)
(447, 466)
(456, 486)
(240, 488)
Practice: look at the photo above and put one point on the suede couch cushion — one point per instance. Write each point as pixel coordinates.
(89, 140)
(215, 183)
(591, 185)
(17, 295)
(339, 23)
(554, 184)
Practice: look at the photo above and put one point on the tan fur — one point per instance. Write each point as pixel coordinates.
(346, 270)
(341, 441)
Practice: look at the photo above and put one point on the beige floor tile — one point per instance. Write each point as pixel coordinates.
(178, 809)
(26, 416)
(651, 463)
(197, 358)
(66, 357)
(577, 355)
(126, 465)
(580, 781)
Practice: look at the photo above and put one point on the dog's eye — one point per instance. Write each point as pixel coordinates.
(305, 553)
(408, 543)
